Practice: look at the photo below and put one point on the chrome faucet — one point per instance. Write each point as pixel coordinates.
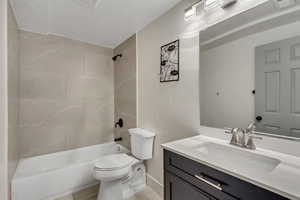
(235, 139)
(250, 129)
(243, 137)
(238, 137)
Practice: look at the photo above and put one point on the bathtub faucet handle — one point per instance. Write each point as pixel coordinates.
(119, 123)
(118, 139)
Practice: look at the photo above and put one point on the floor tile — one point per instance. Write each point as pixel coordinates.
(87, 194)
(146, 194)
(69, 197)
(91, 194)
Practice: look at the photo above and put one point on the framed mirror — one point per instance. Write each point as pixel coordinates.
(250, 71)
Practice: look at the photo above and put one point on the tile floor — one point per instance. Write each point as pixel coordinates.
(91, 194)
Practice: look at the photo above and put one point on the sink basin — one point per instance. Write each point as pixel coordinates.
(236, 158)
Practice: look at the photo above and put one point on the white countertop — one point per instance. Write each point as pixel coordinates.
(283, 180)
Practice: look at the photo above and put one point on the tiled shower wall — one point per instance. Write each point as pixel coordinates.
(125, 88)
(67, 94)
(13, 91)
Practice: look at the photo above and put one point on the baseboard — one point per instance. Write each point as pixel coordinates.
(155, 185)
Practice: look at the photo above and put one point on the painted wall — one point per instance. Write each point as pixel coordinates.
(3, 100)
(67, 94)
(125, 88)
(13, 91)
(171, 110)
(229, 70)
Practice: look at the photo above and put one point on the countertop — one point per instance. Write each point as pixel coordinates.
(283, 180)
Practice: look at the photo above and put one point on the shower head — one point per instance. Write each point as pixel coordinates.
(116, 57)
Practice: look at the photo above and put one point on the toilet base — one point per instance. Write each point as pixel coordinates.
(111, 190)
(128, 186)
(136, 181)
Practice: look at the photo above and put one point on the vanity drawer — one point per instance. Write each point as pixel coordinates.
(178, 189)
(212, 181)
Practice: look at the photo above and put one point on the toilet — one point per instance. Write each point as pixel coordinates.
(112, 170)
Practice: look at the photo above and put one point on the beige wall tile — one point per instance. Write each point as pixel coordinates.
(99, 114)
(70, 87)
(129, 122)
(57, 62)
(34, 46)
(43, 87)
(44, 139)
(13, 92)
(90, 88)
(45, 110)
(125, 96)
(125, 88)
(93, 60)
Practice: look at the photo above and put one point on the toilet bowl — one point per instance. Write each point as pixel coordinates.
(112, 169)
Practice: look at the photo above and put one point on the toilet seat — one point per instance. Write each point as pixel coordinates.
(114, 162)
(113, 167)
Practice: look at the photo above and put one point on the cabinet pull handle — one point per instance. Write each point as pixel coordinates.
(218, 186)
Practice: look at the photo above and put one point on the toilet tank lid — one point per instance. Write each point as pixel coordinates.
(141, 132)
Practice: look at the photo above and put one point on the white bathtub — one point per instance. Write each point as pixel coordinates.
(58, 174)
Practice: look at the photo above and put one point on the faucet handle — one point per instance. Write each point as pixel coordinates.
(228, 130)
(235, 140)
(250, 143)
(251, 127)
(232, 130)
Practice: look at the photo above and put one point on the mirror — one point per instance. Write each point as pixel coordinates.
(250, 71)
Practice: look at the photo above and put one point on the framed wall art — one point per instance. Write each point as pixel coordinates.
(169, 62)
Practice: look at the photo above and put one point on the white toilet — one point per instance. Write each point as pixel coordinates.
(113, 169)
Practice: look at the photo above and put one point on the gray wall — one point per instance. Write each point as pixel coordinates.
(13, 91)
(171, 110)
(125, 88)
(67, 94)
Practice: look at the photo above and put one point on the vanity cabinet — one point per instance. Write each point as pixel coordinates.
(178, 189)
(187, 179)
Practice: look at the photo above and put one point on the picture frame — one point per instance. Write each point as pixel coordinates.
(169, 62)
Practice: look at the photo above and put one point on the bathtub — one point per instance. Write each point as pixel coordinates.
(54, 175)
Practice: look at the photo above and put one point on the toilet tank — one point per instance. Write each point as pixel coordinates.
(141, 143)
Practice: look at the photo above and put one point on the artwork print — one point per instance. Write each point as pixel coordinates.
(169, 66)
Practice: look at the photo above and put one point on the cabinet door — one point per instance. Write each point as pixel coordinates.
(178, 189)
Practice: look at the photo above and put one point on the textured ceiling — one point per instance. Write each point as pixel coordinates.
(101, 22)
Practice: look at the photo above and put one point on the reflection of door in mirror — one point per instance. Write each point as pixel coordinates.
(277, 101)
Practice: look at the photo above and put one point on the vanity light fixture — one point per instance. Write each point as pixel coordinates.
(207, 5)
(227, 3)
(210, 4)
(191, 11)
